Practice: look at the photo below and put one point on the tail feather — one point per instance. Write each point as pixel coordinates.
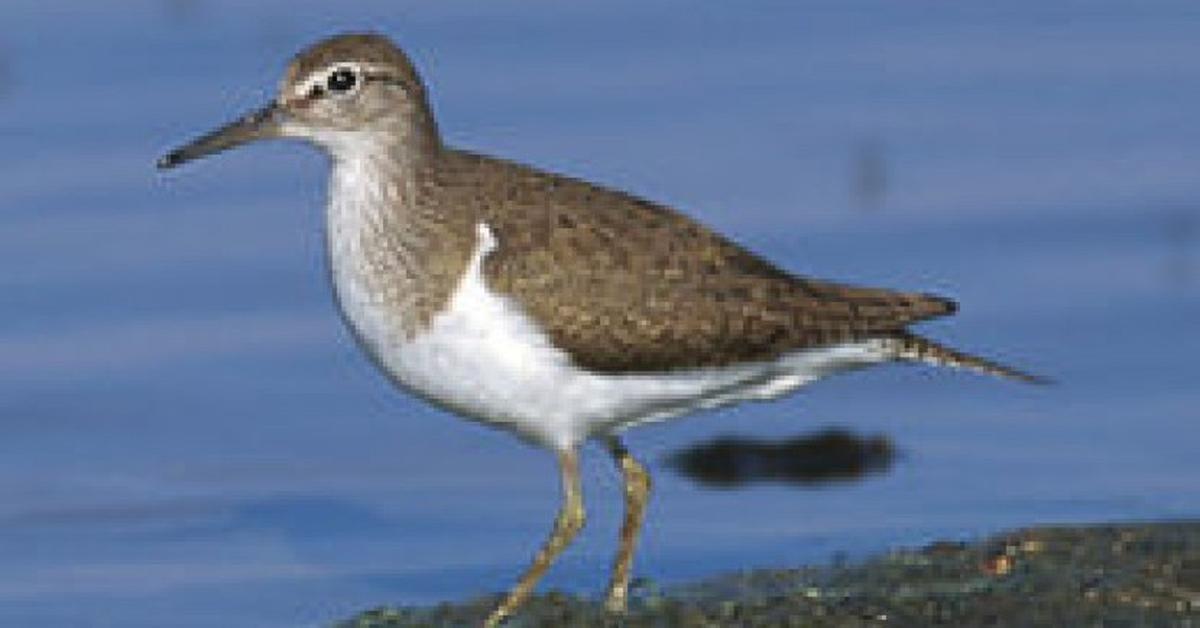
(911, 347)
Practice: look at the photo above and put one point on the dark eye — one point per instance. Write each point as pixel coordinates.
(342, 80)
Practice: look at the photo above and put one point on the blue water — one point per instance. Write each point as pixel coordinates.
(188, 437)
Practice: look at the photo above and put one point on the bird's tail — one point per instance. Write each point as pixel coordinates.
(914, 348)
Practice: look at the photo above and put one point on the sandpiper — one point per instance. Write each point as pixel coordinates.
(545, 305)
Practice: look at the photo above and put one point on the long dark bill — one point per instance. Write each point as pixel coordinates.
(262, 124)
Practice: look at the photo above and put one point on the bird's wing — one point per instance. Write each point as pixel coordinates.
(627, 286)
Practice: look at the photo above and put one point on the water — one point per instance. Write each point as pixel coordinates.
(189, 438)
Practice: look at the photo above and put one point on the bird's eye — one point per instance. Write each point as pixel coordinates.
(341, 80)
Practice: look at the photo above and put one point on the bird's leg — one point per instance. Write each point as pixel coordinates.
(568, 523)
(637, 492)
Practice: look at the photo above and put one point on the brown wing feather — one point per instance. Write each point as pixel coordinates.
(625, 285)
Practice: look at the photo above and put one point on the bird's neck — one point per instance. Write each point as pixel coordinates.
(385, 244)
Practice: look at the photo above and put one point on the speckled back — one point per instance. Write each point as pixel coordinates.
(625, 285)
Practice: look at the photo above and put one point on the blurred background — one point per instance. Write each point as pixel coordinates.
(188, 436)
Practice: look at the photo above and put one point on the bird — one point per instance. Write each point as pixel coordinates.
(559, 310)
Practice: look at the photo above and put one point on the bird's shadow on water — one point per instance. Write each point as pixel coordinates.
(830, 456)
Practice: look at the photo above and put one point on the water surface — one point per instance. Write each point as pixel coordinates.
(188, 437)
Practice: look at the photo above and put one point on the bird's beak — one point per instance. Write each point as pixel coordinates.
(258, 125)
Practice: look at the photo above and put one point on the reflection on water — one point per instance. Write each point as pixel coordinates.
(1183, 238)
(869, 174)
(6, 74)
(830, 456)
(183, 11)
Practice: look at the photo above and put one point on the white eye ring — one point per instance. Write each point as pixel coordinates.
(338, 79)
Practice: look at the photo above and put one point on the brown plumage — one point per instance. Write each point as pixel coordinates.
(625, 285)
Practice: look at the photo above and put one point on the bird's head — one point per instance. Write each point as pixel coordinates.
(338, 94)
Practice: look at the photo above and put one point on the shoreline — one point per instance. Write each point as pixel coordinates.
(1128, 574)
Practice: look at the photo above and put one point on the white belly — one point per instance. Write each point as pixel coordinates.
(482, 357)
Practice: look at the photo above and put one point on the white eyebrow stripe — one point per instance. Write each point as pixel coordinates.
(317, 78)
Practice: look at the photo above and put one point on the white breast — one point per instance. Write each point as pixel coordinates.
(484, 358)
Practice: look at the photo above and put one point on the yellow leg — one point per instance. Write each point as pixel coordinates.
(637, 492)
(568, 523)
